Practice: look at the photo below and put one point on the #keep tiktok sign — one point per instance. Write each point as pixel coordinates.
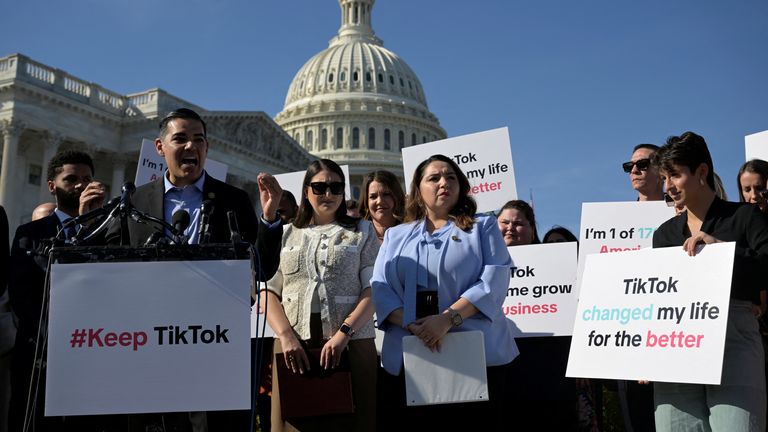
(653, 314)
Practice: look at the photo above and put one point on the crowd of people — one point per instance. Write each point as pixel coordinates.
(425, 265)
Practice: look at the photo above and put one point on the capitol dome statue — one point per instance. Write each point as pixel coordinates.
(357, 102)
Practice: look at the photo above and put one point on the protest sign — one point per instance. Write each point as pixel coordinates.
(756, 146)
(484, 157)
(541, 299)
(609, 227)
(148, 337)
(152, 166)
(293, 182)
(654, 314)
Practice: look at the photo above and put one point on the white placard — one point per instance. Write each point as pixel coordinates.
(484, 157)
(138, 363)
(456, 373)
(756, 146)
(293, 182)
(655, 314)
(151, 166)
(609, 227)
(541, 299)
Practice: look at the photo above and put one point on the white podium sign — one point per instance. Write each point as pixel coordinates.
(294, 182)
(484, 157)
(609, 227)
(148, 337)
(151, 166)
(541, 298)
(756, 146)
(655, 314)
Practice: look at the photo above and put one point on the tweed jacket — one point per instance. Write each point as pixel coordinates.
(335, 261)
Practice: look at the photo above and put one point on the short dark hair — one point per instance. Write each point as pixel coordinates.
(653, 147)
(389, 180)
(755, 166)
(304, 215)
(180, 113)
(688, 150)
(68, 157)
(527, 211)
(463, 213)
(568, 235)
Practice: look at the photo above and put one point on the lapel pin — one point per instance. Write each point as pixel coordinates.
(211, 195)
(454, 238)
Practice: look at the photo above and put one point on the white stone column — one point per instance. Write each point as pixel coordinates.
(11, 133)
(118, 173)
(51, 143)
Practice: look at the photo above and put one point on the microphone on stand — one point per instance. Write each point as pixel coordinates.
(125, 198)
(204, 228)
(180, 222)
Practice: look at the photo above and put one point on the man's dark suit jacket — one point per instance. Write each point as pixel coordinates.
(149, 198)
(25, 286)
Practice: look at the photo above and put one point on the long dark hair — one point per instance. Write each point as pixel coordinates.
(527, 211)
(393, 184)
(462, 213)
(304, 215)
(755, 166)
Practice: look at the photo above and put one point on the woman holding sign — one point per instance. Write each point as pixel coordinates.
(538, 387)
(319, 305)
(443, 271)
(739, 402)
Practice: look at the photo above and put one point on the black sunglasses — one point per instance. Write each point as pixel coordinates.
(642, 165)
(319, 188)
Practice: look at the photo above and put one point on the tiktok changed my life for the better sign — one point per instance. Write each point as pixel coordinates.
(653, 314)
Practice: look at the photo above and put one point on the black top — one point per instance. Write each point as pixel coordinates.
(729, 222)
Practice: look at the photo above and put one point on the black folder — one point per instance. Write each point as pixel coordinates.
(315, 392)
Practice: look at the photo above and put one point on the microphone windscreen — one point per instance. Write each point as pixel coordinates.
(180, 220)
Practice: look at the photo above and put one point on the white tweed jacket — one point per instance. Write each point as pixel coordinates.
(336, 262)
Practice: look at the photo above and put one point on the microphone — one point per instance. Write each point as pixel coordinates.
(204, 228)
(180, 222)
(234, 230)
(125, 198)
(83, 218)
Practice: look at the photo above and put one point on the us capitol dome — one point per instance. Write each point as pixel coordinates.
(357, 102)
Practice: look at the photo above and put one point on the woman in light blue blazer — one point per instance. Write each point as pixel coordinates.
(443, 270)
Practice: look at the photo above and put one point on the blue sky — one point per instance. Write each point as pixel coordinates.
(578, 82)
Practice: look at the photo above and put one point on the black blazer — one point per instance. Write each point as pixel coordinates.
(149, 198)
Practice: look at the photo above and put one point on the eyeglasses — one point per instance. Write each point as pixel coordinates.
(642, 165)
(319, 188)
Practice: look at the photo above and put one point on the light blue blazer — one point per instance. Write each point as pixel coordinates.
(474, 265)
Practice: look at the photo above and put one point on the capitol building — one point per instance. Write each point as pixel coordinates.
(355, 102)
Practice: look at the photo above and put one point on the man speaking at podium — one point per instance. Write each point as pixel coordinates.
(186, 186)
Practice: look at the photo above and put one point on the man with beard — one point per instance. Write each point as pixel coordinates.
(70, 181)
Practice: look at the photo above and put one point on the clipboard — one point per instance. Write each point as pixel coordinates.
(455, 374)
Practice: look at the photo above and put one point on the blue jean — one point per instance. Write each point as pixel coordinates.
(738, 403)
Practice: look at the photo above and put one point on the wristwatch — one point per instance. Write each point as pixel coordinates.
(455, 317)
(347, 329)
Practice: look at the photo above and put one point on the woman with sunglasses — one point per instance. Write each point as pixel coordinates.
(739, 402)
(320, 298)
(444, 270)
(644, 177)
(382, 202)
